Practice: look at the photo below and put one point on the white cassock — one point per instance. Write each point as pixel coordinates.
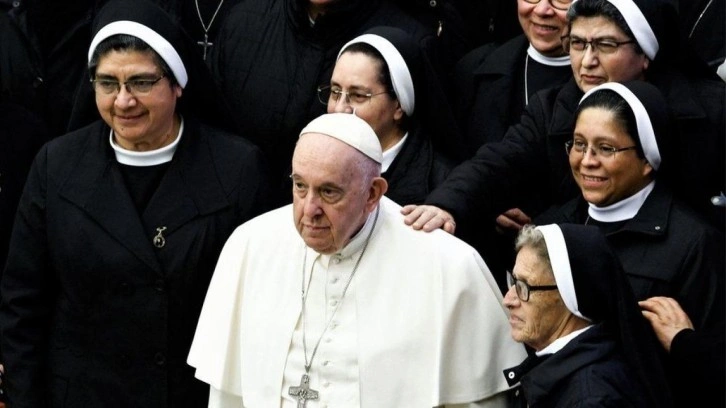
(421, 325)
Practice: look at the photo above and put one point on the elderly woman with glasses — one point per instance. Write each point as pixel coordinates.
(571, 304)
(617, 152)
(384, 77)
(530, 157)
(119, 228)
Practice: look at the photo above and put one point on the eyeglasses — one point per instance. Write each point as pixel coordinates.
(602, 150)
(523, 289)
(556, 4)
(327, 94)
(136, 87)
(603, 45)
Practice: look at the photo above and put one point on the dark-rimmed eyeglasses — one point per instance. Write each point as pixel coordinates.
(562, 5)
(602, 150)
(327, 94)
(136, 87)
(523, 289)
(602, 45)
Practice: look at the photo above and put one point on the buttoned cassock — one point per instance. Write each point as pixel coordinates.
(431, 329)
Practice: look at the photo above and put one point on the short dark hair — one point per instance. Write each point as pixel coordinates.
(125, 42)
(612, 101)
(384, 73)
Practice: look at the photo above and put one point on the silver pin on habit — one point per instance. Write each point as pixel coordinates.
(159, 240)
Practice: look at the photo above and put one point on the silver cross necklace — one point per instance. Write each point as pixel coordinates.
(206, 44)
(303, 392)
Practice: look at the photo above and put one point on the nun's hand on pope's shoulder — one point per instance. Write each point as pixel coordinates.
(428, 218)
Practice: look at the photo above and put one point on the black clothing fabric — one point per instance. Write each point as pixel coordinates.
(456, 27)
(416, 170)
(700, 357)
(590, 371)
(269, 61)
(93, 314)
(532, 156)
(666, 250)
(142, 182)
(703, 32)
(22, 134)
(489, 82)
(40, 71)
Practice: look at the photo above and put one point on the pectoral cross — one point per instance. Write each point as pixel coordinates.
(303, 392)
(205, 44)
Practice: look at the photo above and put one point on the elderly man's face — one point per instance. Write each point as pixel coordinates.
(592, 67)
(606, 180)
(331, 195)
(140, 121)
(542, 319)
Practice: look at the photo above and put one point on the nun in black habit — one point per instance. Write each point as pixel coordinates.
(570, 302)
(411, 117)
(119, 228)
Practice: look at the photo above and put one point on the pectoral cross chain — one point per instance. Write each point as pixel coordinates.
(302, 392)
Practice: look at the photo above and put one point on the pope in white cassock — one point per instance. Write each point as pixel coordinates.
(347, 306)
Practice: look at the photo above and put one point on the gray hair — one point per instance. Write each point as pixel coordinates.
(533, 238)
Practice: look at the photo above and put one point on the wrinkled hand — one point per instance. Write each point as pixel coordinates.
(666, 317)
(428, 218)
(512, 220)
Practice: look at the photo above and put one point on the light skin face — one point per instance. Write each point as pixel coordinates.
(331, 194)
(142, 122)
(357, 72)
(543, 25)
(607, 180)
(592, 68)
(544, 317)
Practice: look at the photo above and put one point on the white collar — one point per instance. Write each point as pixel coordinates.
(390, 154)
(624, 209)
(560, 343)
(150, 158)
(545, 60)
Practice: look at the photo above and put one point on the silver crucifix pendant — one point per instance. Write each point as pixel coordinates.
(205, 44)
(302, 392)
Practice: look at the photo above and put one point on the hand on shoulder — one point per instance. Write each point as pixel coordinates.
(428, 218)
